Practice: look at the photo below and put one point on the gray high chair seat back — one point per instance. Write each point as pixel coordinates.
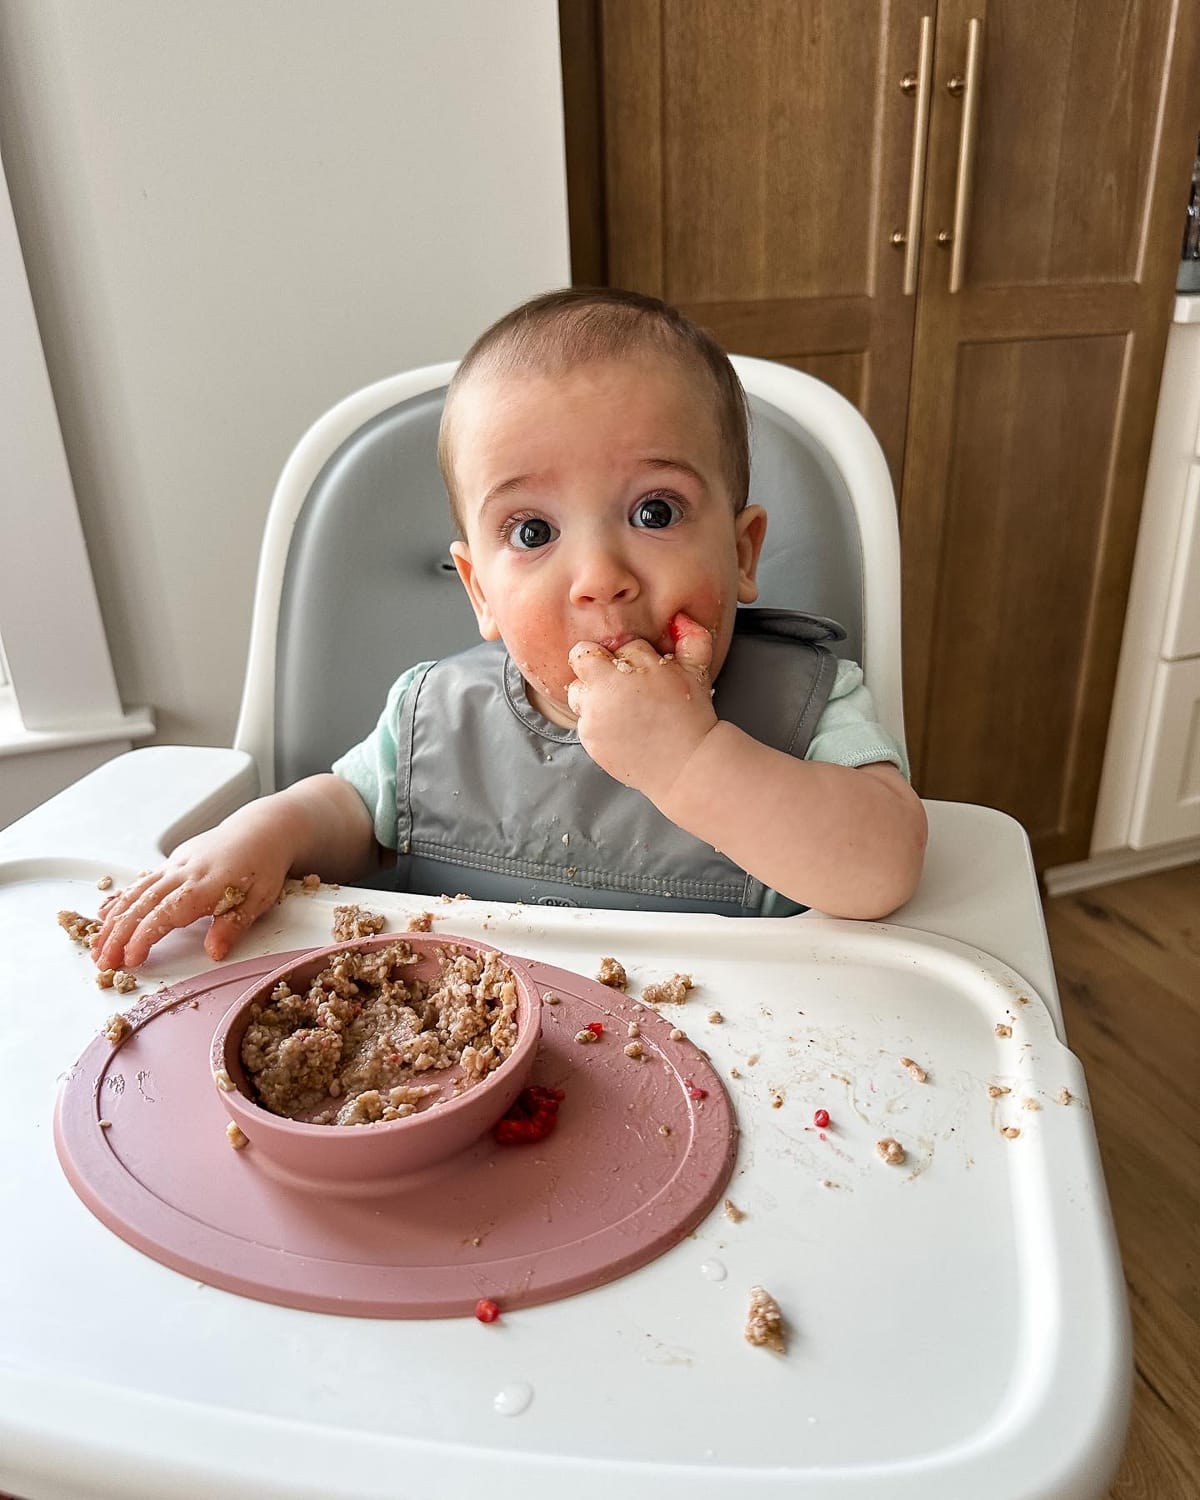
(366, 586)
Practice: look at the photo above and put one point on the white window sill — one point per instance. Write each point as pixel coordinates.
(15, 739)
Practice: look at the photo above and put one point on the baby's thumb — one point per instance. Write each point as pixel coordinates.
(693, 644)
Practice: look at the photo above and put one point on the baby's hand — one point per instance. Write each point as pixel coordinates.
(641, 715)
(232, 873)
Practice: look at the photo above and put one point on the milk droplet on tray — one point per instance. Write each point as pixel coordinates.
(714, 1270)
(512, 1400)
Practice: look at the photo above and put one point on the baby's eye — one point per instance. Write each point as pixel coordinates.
(655, 512)
(530, 532)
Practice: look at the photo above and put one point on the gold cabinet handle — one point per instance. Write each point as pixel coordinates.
(919, 83)
(957, 238)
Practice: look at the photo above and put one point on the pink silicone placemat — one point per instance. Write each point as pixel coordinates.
(637, 1160)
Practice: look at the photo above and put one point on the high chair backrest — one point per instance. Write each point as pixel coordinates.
(355, 580)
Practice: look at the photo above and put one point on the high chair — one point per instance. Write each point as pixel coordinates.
(957, 1324)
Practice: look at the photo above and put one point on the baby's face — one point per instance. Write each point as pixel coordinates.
(595, 508)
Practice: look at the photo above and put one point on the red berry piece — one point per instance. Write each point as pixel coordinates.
(596, 1028)
(821, 1119)
(532, 1116)
(694, 1091)
(486, 1310)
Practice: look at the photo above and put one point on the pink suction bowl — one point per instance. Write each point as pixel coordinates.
(352, 1157)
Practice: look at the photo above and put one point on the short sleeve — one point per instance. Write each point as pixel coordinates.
(847, 733)
(370, 767)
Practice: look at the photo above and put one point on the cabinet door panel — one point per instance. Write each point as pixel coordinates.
(1070, 92)
(1034, 389)
(1015, 578)
(757, 160)
(1167, 803)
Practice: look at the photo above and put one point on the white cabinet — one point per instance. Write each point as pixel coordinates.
(1150, 791)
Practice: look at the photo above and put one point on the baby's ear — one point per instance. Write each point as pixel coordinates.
(750, 529)
(484, 617)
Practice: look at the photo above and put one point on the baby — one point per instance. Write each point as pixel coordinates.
(594, 446)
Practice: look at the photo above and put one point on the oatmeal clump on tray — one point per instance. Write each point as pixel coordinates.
(361, 1043)
(350, 922)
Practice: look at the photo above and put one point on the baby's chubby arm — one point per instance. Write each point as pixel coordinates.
(318, 824)
(849, 842)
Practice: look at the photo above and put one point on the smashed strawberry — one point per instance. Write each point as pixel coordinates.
(533, 1115)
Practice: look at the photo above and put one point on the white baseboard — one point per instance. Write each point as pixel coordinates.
(1118, 864)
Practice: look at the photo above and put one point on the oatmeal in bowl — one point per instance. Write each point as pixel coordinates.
(376, 1057)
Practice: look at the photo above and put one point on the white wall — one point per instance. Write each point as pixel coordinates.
(234, 212)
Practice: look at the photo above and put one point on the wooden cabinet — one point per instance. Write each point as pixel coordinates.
(965, 215)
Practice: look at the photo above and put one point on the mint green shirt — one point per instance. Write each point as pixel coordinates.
(846, 735)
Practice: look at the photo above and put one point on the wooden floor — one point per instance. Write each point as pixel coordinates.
(1128, 963)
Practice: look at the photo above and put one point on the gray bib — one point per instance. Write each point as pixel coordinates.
(495, 801)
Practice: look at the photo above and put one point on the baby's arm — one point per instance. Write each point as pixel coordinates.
(847, 841)
(320, 824)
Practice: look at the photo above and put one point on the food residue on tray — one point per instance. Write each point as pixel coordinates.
(732, 1212)
(420, 921)
(673, 991)
(764, 1321)
(117, 1028)
(358, 1045)
(915, 1068)
(351, 922)
(236, 1136)
(79, 929)
(1002, 1029)
(891, 1150)
(612, 974)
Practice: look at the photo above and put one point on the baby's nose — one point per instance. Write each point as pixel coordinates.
(602, 576)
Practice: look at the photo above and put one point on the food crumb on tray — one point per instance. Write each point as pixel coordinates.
(612, 974)
(1064, 1096)
(104, 883)
(673, 991)
(300, 885)
(104, 978)
(358, 1044)
(117, 1028)
(1011, 1131)
(420, 921)
(1003, 1030)
(998, 1090)
(123, 982)
(764, 1322)
(891, 1151)
(732, 1212)
(79, 929)
(915, 1068)
(236, 1136)
(351, 922)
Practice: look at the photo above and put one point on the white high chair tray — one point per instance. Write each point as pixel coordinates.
(957, 1323)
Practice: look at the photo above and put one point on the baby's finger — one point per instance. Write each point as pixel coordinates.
(177, 906)
(575, 696)
(693, 644)
(640, 655)
(227, 929)
(588, 658)
(118, 920)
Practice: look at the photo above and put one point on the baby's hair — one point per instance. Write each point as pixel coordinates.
(558, 331)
